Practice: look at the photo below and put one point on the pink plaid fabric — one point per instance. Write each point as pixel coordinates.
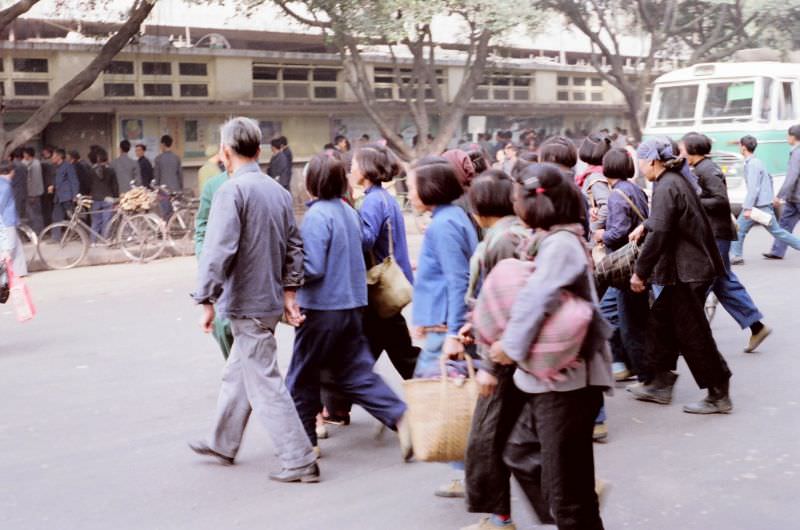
(558, 345)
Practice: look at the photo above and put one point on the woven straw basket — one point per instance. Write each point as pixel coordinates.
(440, 414)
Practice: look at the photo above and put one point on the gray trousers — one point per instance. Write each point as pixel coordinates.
(251, 381)
(18, 260)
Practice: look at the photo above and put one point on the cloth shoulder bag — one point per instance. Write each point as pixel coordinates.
(558, 344)
(389, 290)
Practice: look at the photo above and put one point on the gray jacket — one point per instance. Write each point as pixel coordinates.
(127, 170)
(167, 171)
(252, 249)
(35, 178)
(561, 263)
(790, 191)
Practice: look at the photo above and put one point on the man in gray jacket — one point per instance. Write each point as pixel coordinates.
(251, 266)
(789, 194)
(126, 168)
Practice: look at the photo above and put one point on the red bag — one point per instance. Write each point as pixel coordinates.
(20, 295)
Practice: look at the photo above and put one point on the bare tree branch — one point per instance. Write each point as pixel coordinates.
(11, 13)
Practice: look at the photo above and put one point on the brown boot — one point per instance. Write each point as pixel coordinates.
(718, 401)
(659, 390)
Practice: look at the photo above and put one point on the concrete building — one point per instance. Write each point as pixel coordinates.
(186, 81)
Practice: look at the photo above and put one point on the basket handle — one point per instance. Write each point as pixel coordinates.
(443, 367)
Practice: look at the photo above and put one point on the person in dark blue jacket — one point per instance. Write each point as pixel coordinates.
(65, 188)
(332, 299)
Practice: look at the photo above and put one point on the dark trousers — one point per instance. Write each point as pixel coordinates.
(487, 477)
(334, 341)
(61, 212)
(731, 293)
(47, 208)
(383, 334)
(34, 214)
(633, 310)
(550, 450)
(678, 326)
(789, 218)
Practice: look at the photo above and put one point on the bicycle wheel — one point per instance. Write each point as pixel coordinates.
(180, 231)
(141, 237)
(30, 242)
(62, 246)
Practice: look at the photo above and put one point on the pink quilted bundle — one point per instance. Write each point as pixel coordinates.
(558, 344)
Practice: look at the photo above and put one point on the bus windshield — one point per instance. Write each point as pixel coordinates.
(729, 102)
(676, 105)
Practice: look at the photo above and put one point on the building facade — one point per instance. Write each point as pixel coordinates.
(292, 84)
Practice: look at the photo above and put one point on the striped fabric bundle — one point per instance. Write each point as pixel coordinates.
(558, 344)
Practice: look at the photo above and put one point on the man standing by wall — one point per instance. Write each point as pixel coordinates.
(789, 194)
(126, 168)
(49, 175)
(250, 268)
(35, 189)
(279, 166)
(145, 167)
(167, 172)
(65, 187)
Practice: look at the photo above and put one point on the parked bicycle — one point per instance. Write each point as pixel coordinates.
(180, 225)
(65, 244)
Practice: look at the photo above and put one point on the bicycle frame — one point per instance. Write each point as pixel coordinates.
(76, 221)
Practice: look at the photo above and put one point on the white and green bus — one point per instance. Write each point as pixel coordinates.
(726, 101)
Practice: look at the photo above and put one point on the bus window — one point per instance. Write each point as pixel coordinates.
(786, 102)
(676, 105)
(729, 102)
(766, 99)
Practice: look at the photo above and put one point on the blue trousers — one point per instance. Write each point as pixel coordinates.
(335, 341)
(101, 216)
(779, 233)
(789, 219)
(633, 310)
(732, 294)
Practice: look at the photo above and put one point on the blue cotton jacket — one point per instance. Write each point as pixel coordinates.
(443, 270)
(376, 210)
(759, 184)
(335, 274)
(66, 183)
(790, 191)
(8, 208)
(622, 219)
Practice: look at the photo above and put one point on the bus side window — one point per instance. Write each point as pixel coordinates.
(786, 108)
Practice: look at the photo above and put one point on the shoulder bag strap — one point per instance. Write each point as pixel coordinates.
(636, 210)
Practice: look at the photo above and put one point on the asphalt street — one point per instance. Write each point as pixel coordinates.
(101, 392)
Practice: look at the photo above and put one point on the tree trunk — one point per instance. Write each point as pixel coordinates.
(83, 80)
(10, 14)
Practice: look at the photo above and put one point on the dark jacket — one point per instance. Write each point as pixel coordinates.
(622, 218)
(84, 173)
(680, 245)
(66, 183)
(146, 171)
(714, 198)
(280, 168)
(104, 182)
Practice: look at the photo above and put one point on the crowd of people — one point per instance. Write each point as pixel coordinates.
(563, 207)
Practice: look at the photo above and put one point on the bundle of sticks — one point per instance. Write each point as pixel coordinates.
(137, 199)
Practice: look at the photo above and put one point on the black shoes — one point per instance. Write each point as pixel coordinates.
(309, 473)
(717, 402)
(770, 255)
(202, 448)
(659, 390)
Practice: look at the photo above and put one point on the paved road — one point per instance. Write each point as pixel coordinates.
(100, 393)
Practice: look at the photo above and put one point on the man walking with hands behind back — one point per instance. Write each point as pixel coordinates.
(251, 267)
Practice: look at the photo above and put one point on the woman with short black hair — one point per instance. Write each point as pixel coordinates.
(714, 197)
(556, 424)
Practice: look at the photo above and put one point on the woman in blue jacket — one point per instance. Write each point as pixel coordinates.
(332, 300)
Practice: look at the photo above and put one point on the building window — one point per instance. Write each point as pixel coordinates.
(579, 81)
(385, 78)
(596, 81)
(31, 88)
(157, 89)
(194, 69)
(562, 95)
(194, 91)
(31, 66)
(597, 96)
(156, 68)
(505, 86)
(579, 96)
(190, 131)
(2, 88)
(563, 80)
(294, 82)
(119, 68)
(118, 90)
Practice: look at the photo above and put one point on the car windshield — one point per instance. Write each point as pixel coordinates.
(676, 105)
(729, 102)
